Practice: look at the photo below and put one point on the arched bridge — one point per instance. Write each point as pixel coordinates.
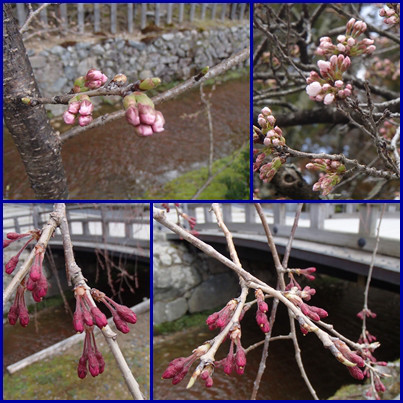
(340, 236)
(117, 228)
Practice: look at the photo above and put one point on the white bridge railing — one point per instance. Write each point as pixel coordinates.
(102, 223)
(351, 225)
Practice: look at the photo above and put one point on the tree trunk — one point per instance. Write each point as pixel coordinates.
(38, 145)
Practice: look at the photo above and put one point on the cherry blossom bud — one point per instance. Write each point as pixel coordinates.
(41, 287)
(314, 89)
(370, 49)
(262, 122)
(87, 317)
(329, 98)
(12, 264)
(262, 321)
(93, 364)
(82, 367)
(24, 316)
(132, 116)
(382, 12)
(341, 38)
(78, 321)
(271, 120)
(339, 84)
(323, 66)
(149, 83)
(93, 74)
(86, 107)
(341, 47)
(350, 24)
(143, 130)
(143, 98)
(266, 111)
(84, 120)
(158, 125)
(356, 373)
(350, 41)
(129, 100)
(68, 118)
(99, 317)
(240, 361)
(147, 114)
(101, 362)
(209, 382)
(13, 314)
(36, 269)
(74, 107)
(120, 324)
(7, 242)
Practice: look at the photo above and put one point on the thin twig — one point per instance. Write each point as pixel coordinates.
(393, 143)
(31, 15)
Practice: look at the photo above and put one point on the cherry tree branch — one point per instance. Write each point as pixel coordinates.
(31, 15)
(77, 278)
(46, 234)
(167, 95)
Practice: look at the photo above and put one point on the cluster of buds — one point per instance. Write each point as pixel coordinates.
(37, 282)
(391, 14)
(91, 358)
(262, 308)
(329, 85)
(121, 314)
(141, 113)
(221, 318)
(92, 80)
(388, 130)
(331, 173)
(273, 137)
(191, 220)
(384, 68)
(82, 106)
(178, 368)
(234, 361)
(350, 359)
(12, 237)
(347, 44)
(297, 297)
(19, 309)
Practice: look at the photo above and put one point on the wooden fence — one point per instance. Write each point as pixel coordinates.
(126, 17)
(314, 222)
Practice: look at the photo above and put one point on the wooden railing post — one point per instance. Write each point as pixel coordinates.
(143, 22)
(80, 17)
(192, 12)
(97, 18)
(317, 215)
(223, 10)
(181, 11)
(227, 213)
(233, 11)
(63, 15)
(113, 18)
(203, 11)
(279, 213)
(169, 13)
(157, 14)
(213, 11)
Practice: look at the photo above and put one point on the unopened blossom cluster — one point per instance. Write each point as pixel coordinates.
(35, 281)
(329, 85)
(387, 130)
(86, 316)
(141, 113)
(80, 106)
(190, 219)
(273, 137)
(384, 68)
(391, 14)
(330, 175)
(235, 360)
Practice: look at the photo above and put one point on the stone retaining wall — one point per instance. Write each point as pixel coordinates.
(170, 56)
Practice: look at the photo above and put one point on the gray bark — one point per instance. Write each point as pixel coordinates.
(38, 145)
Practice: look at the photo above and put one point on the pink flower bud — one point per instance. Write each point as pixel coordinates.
(24, 316)
(13, 315)
(84, 120)
(143, 130)
(120, 324)
(93, 85)
(333, 60)
(313, 89)
(15, 236)
(209, 382)
(210, 321)
(382, 12)
(11, 264)
(101, 362)
(86, 107)
(93, 74)
(326, 87)
(158, 125)
(7, 242)
(132, 116)
(262, 321)
(87, 318)
(346, 63)
(93, 364)
(68, 118)
(240, 361)
(147, 114)
(356, 373)
(36, 270)
(341, 47)
(262, 122)
(266, 111)
(104, 79)
(329, 98)
(99, 317)
(271, 120)
(74, 107)
(82, 367)
(350, 24)
(41, 287)
(370, 49)
(350, 41)
(263, 307)
(305, 309)
(126, 314)
(341, 38)
(323, 66)
(78, 321)
(339, 84)
(325, 39)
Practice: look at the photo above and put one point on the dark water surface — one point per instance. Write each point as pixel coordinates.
(282, 379)
(111, 162)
